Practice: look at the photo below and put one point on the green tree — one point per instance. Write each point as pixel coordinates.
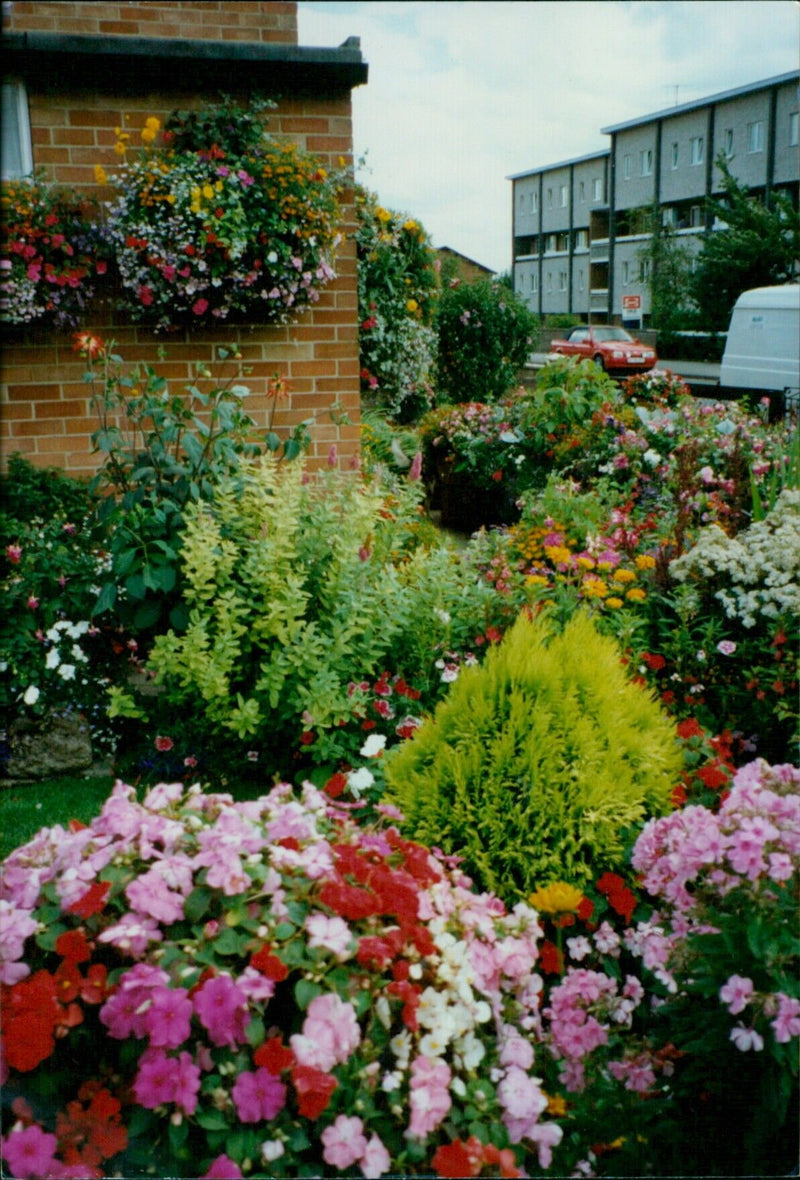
(672, 305)
(758, 246)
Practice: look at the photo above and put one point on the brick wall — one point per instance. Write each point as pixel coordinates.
(44, 404)
(212, 20)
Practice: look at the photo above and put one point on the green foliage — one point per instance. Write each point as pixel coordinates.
(397, 293)
(164, 451)
(671, 304)
(485, 336)
(758, 247)
(29, 493)
(537, 761)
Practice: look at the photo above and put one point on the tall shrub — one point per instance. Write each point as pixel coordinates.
(485, 336)
(538, 760)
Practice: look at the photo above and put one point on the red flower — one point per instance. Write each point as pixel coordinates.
(274, 1056)
(163, 744)
(550, 959)
(94, 986)
(336, 785)
(30, 1014)
(459, 1159)
(678, 796)
(307, 738)
(585, 909)
(73, 945)
(655, 663)
(68, 980)
(313, 1088)
(497, 476)
(87, 344)
(93, 902)
(620, 898)
(145, 296)
(200, 306)
(689, 729)
(270, 966)
(713, 775)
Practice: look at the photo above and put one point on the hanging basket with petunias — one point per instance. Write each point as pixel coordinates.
(220, 221)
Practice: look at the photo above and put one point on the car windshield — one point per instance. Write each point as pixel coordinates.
(611, 334)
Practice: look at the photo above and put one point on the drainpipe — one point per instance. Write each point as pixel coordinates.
(611, 186)
(769, 180)
(541, 236)
(709, 165)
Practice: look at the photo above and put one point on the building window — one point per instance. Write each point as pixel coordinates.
(695, 216)
(534, 281)
(534, 201)
(597, 188)
(668, 215)
(582, 186)
(17, 153)
(646, 158)
(675, 154)
(727, 142)
(550, 243)
(562, 280)
(549, 283)
(626, 167)
(698, 149)
(581, 239)
(644, 270)
(581, 280)
(794, 128)
(549, 198)
(563, 196)
(626, 274)
(755, 136)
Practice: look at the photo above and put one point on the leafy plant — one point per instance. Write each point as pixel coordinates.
(537, 760)
(29, 493)
(485, 336)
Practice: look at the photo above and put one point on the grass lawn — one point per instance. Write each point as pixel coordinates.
(26, 807)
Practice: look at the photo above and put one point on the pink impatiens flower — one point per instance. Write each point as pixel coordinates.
(330, 1033)
(29, 1153)
(222, 1009)
(223, 1168)
(332, 934)
(746, 1038)
(258, 1096)
(168, 1019)
(429, 1099)
(344, 1142)
(736, 993)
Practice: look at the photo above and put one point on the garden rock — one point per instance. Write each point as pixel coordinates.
(49, 745)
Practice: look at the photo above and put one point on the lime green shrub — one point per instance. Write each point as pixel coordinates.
(537, 761)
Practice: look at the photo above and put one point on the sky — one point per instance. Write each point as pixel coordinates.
(463, 93)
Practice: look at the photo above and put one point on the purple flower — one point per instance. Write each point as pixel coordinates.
(222, 1008)
(726, 647)
(168, 1019)
(258, 1096)
(30, 1153)
(223, 1168)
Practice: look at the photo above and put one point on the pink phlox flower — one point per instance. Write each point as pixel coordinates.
(521, 1098)
(515, 957)
(168, 1018)
(154, 893)
(258, 1096)
(315, 860)
(330, 1033)
(344, 1142)
(514, 1049)
(636, 1072)
(546, 1136)
(736, 993)
(223, 1168)
(222, 1009)
(746, 1038)
(159, 797)
(331, 934)
(787, 1021)
(607, 940)
(132, 934)
(30, 1153)
(375, 1161)
(255, 985)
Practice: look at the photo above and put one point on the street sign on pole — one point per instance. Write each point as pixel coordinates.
(631, 302)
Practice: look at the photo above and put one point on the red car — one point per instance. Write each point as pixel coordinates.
(611, 348)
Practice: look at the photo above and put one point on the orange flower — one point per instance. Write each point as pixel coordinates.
(88, 345)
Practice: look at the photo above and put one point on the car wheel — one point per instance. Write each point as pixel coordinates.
(599, 360)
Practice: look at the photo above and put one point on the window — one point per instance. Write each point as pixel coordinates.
(794, 128)
(582, 186)
(563, 196)
(562, 280)
(534, 281)
(581, 239)
(668, 215)
(581, 280)
(626, 274)
(727, 142)
(17, 153)
(644, 270)
(755, 137)
(534, 201)
(646, 160)
(698, 149)
(549, 198)
(695, 216)
(550, 243)
(675, 155)
(549, 283)
(626, 167)
(597, 188)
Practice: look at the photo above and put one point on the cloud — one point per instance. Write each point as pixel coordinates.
(462, 94)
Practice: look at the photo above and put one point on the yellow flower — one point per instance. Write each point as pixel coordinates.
(605, 566)
(556, 553)
(120, 147)
(148, 135)
(594, 587)
(636, 594)
(383, 214)
(645, 562)
(152, 124)
(614, 603)
(586, 563)
(171, 198)
(208, 192)
(536, 580)
(218, 186)
(100, 174)
(556, 1106)
(410, 226)
(556, 898)
(411, 305)
(624, 576)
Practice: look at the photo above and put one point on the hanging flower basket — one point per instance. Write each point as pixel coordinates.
(220, 222)
(50, 254)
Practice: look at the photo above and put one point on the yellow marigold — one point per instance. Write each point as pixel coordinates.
(410, 226)
(645, 562)
(605, 566)
(594, 587)
(624, 576)
(536, 580)
(148, 135)
(556, 1105)
(556, 553)
(100, 174)
(153, 124)
(614, 603)
(383, 214)
(120, 147)
(636, 594)
(411, 305)
(208, 192)
(559, 897)
(586, 563)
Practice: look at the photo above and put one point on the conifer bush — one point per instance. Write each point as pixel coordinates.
(537, 761)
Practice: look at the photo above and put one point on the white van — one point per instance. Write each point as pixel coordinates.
(762, 351)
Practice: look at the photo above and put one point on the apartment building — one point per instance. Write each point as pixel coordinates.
(579, 226)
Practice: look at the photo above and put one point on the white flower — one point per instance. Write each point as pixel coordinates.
(272, 1149)
(67, 671)
(442, 615)
(359, 780)
(579, 948)
(651, 457)
(373, 746)
(53, 659)
(31, 695)
(746, 1038)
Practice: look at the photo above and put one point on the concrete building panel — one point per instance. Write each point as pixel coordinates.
(683, 159)
(635, 158)
(747, 118)
(787, 135)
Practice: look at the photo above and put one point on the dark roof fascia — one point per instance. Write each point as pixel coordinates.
(106, 62)
(464, 258)
(711, 100)
(562, 164)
